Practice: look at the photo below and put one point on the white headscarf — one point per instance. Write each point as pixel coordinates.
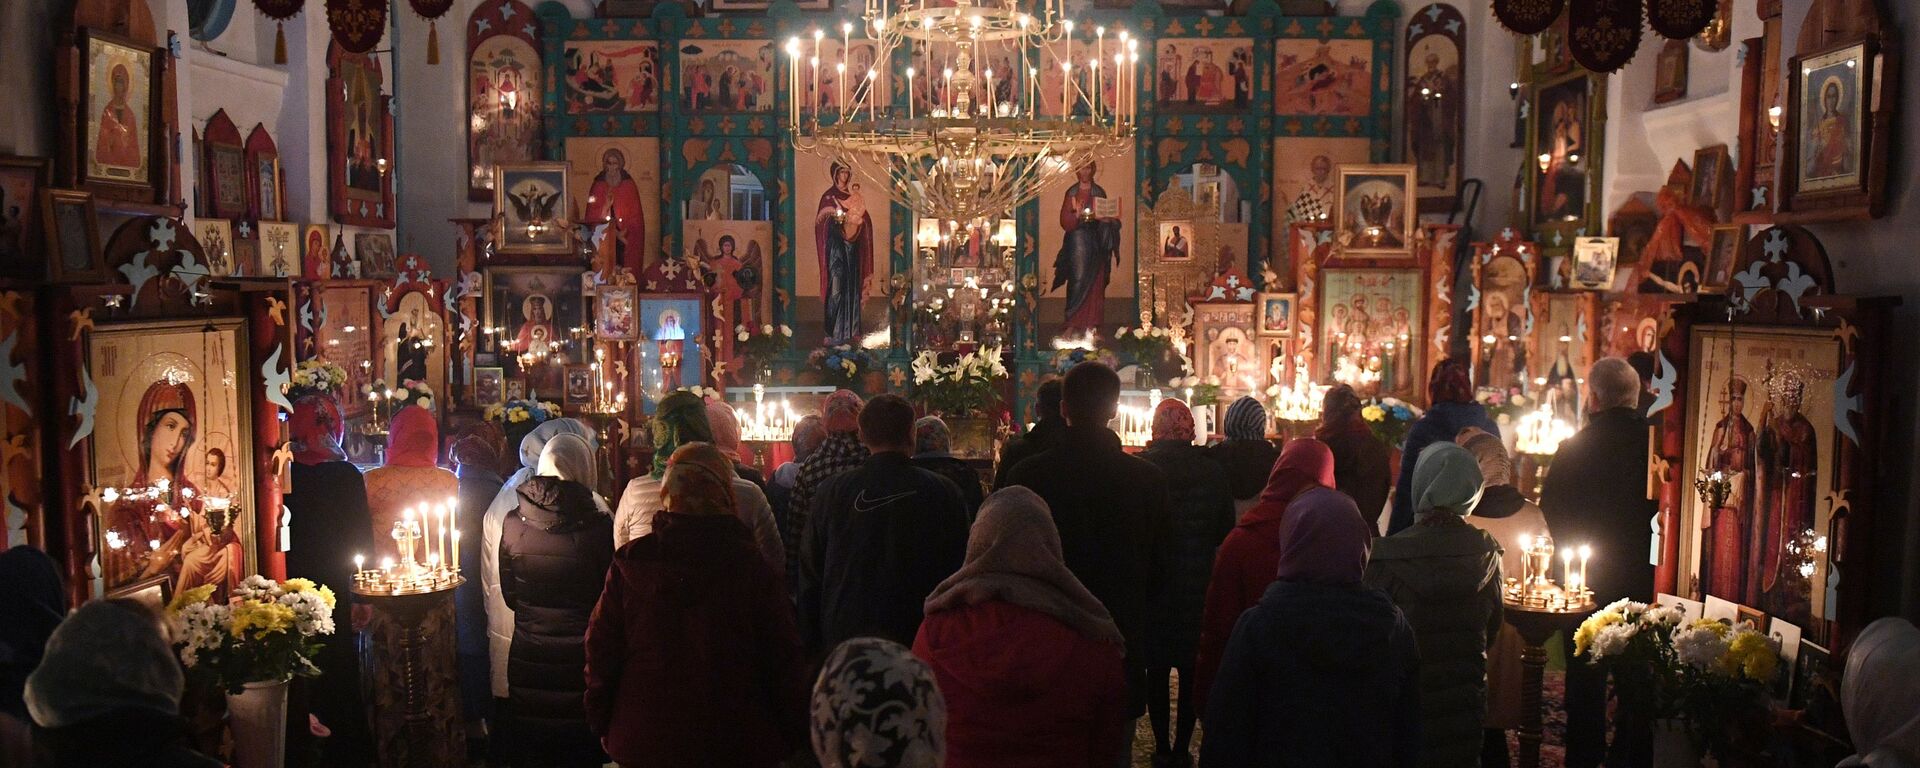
(568, 457)
(493, 525)
(1880, 695)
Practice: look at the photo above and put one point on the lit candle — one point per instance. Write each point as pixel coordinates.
(1566, 566)
(359, 567)
(386, 566)
(1586, 554)
(456, 550)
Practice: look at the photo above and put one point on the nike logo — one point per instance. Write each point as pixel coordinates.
(862, 504)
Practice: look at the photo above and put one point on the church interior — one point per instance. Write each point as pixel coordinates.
(231, 217)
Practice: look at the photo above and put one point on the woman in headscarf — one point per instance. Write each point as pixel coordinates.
(329, 524)
(554, 554)
(680, 420)
(476, 458)
(1030, 659)
(1445, 575)
(1506, 516)
(933, 452)
(412, 477)
(1323, 670)
(1243, 567)
(1246, 454)
(107, 692)
(693, 656)
(1362, 465)
(808, 434)
(499, 617)
(876, 706)
(726, 437)
(841, 451)
(1202, 515)
(1880, 695)
(1450, 408)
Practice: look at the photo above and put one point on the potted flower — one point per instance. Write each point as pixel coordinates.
(965, 390)
(251, 648)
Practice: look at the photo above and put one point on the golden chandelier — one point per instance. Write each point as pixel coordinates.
(982, 142)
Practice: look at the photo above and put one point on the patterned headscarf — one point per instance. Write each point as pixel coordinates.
(726, 428)
(474, 451)
(1446, 479)
(841, 412)
(680, 418)
(1246, 420)
(876, 706)
(1451, 382)
(930, 436)
(1496, 467)
(808, 434)
(1173, 420)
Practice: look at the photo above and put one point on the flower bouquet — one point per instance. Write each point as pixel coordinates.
(841, 364)
(1505, 407)
(270, 634)
(756, 350)
(1390, 418)
(316, 377)
(1065, 359)
(1709, 675)
(519, 417)
(410, 392)
(966, 386)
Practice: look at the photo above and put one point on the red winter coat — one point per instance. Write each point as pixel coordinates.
(693, 658)
(1023, 689)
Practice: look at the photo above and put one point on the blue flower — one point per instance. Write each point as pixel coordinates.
(1401, 413)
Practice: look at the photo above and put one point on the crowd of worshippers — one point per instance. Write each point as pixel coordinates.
(866, 607)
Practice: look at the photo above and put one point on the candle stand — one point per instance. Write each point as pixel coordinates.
(417, 720)
(1537, 608)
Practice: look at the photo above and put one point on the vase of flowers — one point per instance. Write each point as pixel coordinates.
(316, 377)
(252, 648)
(841, 365)
(758, 350)
(1706, 677)
(519, 417)
(965, 390)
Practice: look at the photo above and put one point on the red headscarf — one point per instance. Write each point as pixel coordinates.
(1451, 382)
(413, 439)
(1303, 464)
(1324, 540)
(1172, 420)
(317, 430)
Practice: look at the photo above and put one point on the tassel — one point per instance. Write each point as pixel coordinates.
(280, 42)
(433, 42)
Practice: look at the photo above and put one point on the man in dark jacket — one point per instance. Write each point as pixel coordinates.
(1597, 494)
(1047, 427)
(932, 451)
(879, 538)
(1112, 509)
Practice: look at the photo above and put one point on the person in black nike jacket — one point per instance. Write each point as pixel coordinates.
(879, 539)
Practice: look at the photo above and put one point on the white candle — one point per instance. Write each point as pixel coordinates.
(456, 550)
(1566, 566)
(1586, 553)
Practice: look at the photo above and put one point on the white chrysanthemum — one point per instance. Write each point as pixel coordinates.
(1664, 615)
(1613, 640)
(1698, 647)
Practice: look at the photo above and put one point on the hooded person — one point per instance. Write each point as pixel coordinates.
(554, 554)
(726, 437)
(1323, 671)
(1246, 454)
(1880, 695)
(1451, 409)
(933, 452)
(1445, 576)
(1245, 563)
(877, 706)
(1506, 516)
(680, 419)
(107, 692)
(1032, 663)
(499, 617)
(330, 521)
(839, 452)
(1362, 465)
(735, 695)
(411, 476)
(1202, 516)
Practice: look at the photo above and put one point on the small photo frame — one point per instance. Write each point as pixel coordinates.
(1374, 210)
(1829, 132)
(1811, 669)
(489, 386)
(615, 315)
(1670, 72)
(1594, 261)
(1787, 638)
(1176, 242)
(531, 208)
(1722, 255)
(216, 240)
(1751, 618)
(1712, 186)
(1722, 609)
(375, 252)
(280, 249)
(73, 235)
(579, 387)
(1275, 314)
(516, 389)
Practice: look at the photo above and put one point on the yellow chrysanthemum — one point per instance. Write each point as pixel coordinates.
(297, 585)
(326, 595)
(1583, 637)
(1717, 626)
(255, 619)
(198, 594)
(1373, 413)
(1752, 655)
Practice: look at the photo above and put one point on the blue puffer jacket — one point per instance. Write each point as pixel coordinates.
(1316, 675)
(1440, 424)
